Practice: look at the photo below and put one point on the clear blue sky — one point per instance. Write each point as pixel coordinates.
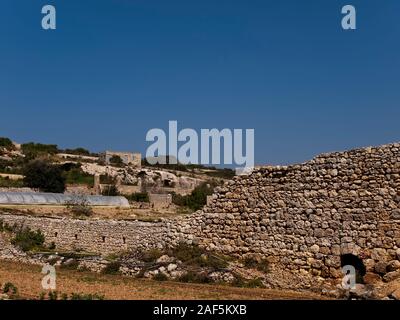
(114, 69)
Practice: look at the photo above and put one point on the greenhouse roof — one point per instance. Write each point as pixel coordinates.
(38, 198)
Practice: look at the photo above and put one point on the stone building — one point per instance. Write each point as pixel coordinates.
(128, 158)
(160, 201)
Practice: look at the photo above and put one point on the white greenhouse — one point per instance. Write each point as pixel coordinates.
(37, 198)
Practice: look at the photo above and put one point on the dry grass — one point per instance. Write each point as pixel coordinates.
(28, 280)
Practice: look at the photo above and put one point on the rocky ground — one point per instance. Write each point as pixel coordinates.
(144, 177)
(27, 278)
(204, 268)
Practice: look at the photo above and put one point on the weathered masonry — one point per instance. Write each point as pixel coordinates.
(129, 158)
(317, 216)
(94, 236)
(337, 209)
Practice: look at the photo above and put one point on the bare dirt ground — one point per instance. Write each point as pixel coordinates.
(27, 279)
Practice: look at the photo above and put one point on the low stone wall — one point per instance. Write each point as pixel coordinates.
(94, 236)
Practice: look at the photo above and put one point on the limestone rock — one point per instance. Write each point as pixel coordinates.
(391, 276)
(393, 266)
(396, 294)
(360, 291)
(315, 248)
(372, 278)
(172, 267)
(369, 265)
(165, 259)
(380, 267)
(379, 255)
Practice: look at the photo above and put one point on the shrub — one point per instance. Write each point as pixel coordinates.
(40, 174)
(222, 173)
(6, 143)
(79, 206)
(5, 165)
(53, 295)
(78, 151)
(33, 150)
(112, 268)
(255, 283)
(10, 289)
(28, 240)
(77, 176)
(195, 256)
(185, 252)
(240, 282)
(212, 261)
(195, 277)
(160, 277)
(116, 161)
(261, 265)
(111, 191)
(166, 165)
(83, 296)
(197, 199)
(107, 179)
(151, 255)
(9, 183)
(70, 265)
(6, 227)
(139, 197)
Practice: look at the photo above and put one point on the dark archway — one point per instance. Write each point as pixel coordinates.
(357, 263)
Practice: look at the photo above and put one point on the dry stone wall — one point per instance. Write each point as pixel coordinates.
(93, 236)
(307, 217)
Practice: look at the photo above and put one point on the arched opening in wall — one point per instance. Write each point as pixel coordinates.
(124, 240)
(167, 183)
(76, 237)
(357, 263)
(103, 238)
(55, 234)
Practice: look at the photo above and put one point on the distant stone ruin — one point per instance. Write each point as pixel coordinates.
(128, 158)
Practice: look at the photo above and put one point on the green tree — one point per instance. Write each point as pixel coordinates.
(197, 199)
(110, 190)
(78, 151)
(139, 197)
(34, 150)
(116, 160)
(6, 143)
(40, 174)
